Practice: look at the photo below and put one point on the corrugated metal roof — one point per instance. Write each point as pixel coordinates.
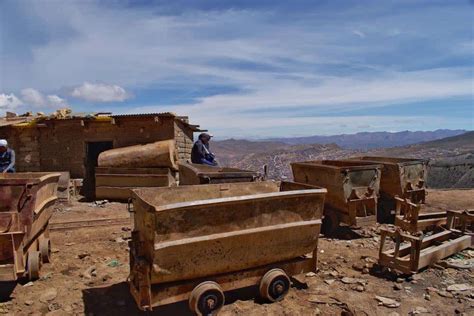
(168, 114)
(8, 122)
(93, 116)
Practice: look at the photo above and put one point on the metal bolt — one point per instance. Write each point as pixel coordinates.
(211, 303)
(279, 288)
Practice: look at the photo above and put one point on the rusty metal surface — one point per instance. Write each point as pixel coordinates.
(158, 154)
(190, 173)
(179, 231)
(353, 187)
(116, 183)
(26, 201)
(401, 177)
(411, 253)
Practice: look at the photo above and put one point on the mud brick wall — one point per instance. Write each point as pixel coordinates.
(183, 136)
(61, 145)
(24, 141)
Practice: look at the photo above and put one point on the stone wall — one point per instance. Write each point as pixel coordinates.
(183, 136)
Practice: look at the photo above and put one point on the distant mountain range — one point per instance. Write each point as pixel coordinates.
(370, 140)
(451, 158)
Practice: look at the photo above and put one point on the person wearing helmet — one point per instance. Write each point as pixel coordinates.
(7, 158)
(201, 153)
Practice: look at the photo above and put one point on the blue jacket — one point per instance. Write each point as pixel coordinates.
(7, 161)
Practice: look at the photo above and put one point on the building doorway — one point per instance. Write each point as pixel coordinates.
(93, 150)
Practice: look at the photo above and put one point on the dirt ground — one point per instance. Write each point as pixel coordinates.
(89, 269)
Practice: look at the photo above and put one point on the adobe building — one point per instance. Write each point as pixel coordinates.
(68, 142)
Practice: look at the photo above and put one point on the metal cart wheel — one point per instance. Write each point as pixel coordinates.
(45, 249)
(206, 299)
(330, 222)
(34, 264)
(274, 285)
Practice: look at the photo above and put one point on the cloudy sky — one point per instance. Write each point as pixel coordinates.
(245, 68)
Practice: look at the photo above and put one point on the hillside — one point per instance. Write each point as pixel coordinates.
(370, 140)
(451, 159)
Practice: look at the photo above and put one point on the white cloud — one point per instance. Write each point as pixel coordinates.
(100, 92)
(56, 101)
(9, 102)
(34, 98)
(359, 33)
(314, 61)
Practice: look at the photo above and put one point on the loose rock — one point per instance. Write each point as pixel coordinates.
(48, 295)
(459, 287)
(387, 302)
(347, 280)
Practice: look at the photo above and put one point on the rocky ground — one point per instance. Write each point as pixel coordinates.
(89, 269)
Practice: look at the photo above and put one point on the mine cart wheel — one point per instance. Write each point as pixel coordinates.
(207, 298)
(274, 285)
(45, 249)
(330, 223)
(34, 264)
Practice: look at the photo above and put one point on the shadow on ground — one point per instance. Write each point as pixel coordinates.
(117, 300)
(6, 289)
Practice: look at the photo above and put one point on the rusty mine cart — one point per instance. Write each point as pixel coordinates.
(353, 187)
(195, 242)
(403, 182)
(26, 205)
(191, 173)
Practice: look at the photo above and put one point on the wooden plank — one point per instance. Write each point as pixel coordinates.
(433, 255)
(232, 251)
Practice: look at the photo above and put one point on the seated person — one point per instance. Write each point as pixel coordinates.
(201, 153)
(7, 158)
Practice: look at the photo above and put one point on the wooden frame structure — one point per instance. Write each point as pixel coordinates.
(410, 253)
(409, 217)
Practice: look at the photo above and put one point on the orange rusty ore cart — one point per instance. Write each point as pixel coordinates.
(190, 173)
(403, 178)
(196, 242)
(353, 188)
(26, 205)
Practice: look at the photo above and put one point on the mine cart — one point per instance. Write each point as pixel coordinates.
(190, 173)
(196, 242)
(409, 253)
(401, 177)
(353, 187)
(26, 205)
(116, 183)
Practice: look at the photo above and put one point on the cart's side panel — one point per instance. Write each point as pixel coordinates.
(329, 178)
(233, 251)
(187, 175)
(236, 214)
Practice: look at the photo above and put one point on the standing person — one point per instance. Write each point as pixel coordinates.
(7, 158)
(201, 153)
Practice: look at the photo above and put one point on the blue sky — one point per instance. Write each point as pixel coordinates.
(245, 68)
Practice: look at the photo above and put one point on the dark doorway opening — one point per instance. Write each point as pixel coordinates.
(93, 150)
